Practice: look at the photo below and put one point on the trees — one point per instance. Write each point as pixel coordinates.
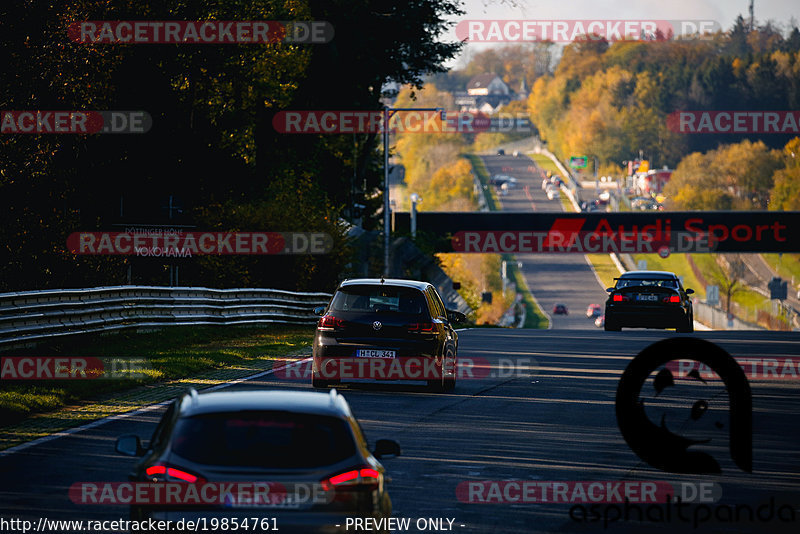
(212, 145)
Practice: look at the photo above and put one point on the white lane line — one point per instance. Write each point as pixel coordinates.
(138, 411)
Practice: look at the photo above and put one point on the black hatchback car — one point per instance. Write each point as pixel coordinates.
(259, 461)
(650, 299)
(387, 329)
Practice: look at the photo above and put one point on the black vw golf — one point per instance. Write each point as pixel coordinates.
(650, 299)
(386, 330)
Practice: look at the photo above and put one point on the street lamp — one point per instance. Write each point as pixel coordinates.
(387, 113)
(415, 199)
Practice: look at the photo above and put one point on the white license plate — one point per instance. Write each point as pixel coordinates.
(375, 353)
(647, 297)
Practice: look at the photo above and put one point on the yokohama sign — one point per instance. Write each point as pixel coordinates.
(662, 233)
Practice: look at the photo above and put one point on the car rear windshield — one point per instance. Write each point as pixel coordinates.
(263, 439)
(657, 282)
(379, 299)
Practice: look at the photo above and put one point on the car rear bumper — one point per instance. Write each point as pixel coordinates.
(646, 316)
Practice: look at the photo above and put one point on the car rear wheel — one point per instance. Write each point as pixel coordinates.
(688, 327)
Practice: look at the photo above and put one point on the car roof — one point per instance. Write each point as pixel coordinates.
(416, 284)
(649, 274)
(304, 402)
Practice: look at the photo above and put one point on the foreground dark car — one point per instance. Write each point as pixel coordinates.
(386, 330)
(649, 299)
(303, 452)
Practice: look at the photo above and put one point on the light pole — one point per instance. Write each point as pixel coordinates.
(415, 199)
(387, 113)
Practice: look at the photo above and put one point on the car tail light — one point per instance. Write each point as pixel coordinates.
(672, 298)
(422, 328)
(620, 298)
(329, 322)
(352, 479)
(164, 473)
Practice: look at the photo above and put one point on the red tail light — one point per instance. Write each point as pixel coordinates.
(672, 298)
(620, 298)
(422, 328)
(330, 322)
(363, 476)
(170, 474)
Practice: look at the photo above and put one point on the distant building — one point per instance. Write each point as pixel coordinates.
(486, 93)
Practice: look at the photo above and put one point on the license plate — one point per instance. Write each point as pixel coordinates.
(282, 502)
(375, 353)
(647, 297)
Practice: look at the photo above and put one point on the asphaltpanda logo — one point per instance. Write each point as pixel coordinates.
(657, 443)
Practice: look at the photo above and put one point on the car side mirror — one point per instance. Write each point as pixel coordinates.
(386, 448)
(319, 310)
(129, 445)
(456, 285)
(609, 289)
(689, 291)
(456, 316)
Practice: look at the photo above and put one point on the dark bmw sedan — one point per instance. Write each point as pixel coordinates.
(650, 299)
(291, 461)
(386, 330)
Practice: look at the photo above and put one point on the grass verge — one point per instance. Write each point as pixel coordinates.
(176, 358)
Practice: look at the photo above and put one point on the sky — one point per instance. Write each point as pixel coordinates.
(723, 11)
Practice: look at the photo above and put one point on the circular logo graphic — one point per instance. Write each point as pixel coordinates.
(377, 325)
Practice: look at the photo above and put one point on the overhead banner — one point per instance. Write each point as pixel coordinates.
(660, 232)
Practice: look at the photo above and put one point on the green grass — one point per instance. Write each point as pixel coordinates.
(545, 163)
(171, 354)
(483, 176)
(787, 265)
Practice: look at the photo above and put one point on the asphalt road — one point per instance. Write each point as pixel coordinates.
(552, 278)
(550, 419)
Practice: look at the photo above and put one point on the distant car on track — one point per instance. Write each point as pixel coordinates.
(560, 309)
(600, 321)
(649, 299)
(516, 154)
(501, 152)
(594, 310)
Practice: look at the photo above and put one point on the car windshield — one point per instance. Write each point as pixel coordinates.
(263, 439)
(379, 299)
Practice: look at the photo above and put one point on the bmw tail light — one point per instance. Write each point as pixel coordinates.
(422, 328)
(619, 298)
(163, 473)
(352, 479)
(329, 322)
(672, 298)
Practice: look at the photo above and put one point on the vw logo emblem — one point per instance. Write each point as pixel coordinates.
(377, 325)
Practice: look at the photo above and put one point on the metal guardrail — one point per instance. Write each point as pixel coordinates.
(34, 315)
